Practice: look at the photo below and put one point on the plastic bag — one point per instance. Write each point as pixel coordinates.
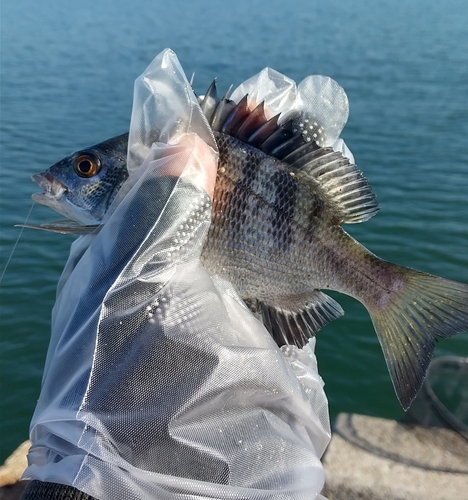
(318, 105)
(159, 383)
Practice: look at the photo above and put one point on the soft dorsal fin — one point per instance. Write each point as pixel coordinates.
(344, 186)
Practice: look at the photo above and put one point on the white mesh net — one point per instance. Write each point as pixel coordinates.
(159, 383)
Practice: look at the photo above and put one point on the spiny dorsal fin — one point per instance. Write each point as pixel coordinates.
(342, 184)
(210, 101)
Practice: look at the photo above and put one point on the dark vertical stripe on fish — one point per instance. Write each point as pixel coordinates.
(284, 205)
(316, 210)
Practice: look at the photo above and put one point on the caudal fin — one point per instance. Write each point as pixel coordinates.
(419, 309)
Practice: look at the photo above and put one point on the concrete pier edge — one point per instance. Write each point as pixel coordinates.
(373, 458)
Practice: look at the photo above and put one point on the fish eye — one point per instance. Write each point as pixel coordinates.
(87, 165)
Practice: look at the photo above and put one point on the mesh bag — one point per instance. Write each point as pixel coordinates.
(159, 383)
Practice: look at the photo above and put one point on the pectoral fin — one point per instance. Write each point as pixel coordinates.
(64, 226)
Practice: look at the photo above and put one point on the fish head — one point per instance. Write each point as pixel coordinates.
(82, 186)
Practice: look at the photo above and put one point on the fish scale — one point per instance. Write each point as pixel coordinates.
(280, 199)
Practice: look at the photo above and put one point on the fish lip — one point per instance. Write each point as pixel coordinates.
(52, 187)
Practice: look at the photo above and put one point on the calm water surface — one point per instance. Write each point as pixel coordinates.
(67, 82)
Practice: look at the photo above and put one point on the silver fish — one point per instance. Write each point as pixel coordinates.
(279, 203)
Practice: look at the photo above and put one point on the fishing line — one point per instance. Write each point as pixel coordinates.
(16, 242)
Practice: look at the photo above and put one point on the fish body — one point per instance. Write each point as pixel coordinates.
(279, 204)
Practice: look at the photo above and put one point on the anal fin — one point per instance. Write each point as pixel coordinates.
(296, 327)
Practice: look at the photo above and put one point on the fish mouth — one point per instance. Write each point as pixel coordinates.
(56, 197)
(53, 189)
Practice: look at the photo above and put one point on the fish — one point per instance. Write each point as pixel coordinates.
(280, 201)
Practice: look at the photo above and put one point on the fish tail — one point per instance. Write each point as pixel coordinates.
(414, 310)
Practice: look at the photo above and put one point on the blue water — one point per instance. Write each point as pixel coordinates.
(67, 81)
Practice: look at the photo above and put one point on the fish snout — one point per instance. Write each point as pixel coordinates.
(51, 186)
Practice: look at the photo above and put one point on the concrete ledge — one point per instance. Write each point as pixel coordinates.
(376, 459)
(11, 488)
(13, 468)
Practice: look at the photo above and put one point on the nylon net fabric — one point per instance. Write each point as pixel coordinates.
(159, 383)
